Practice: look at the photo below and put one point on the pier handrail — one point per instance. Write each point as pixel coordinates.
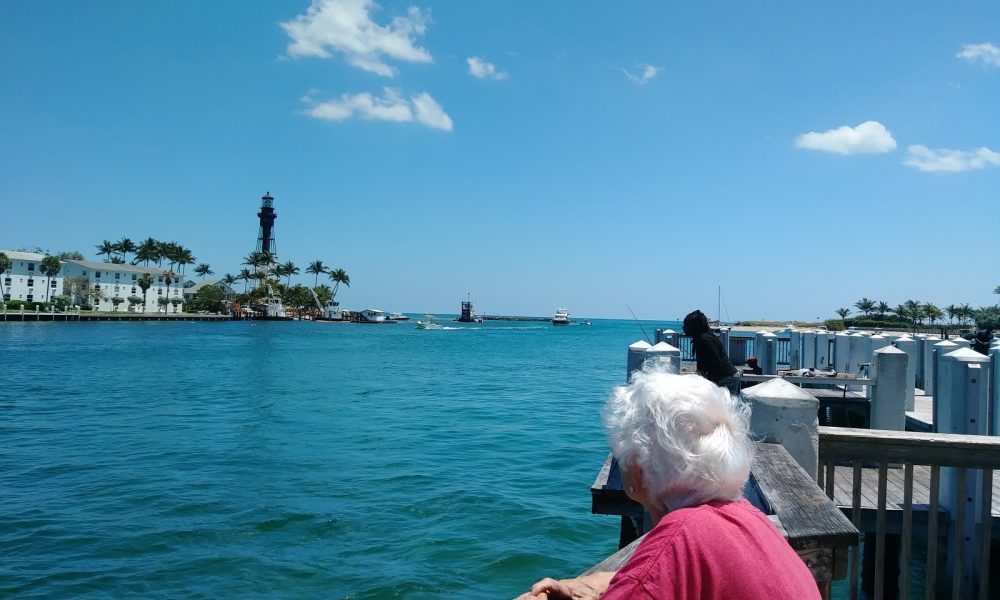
(949, 457)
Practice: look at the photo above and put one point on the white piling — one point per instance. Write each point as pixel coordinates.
(859, 349)
(636, 356)
(724, 338)
(995, 385)
(963, 382)
(876, 343)
(908, 345)
(786, 414)
(939, 351)
(841, 352)
(823, 358)
(925, 370)
(765, 348)
(961, 342)
(795, 349)
(665, 352)
(808, 349)
(888, 405)
(669, 336)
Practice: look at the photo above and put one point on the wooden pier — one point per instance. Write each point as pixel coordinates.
(13, 317)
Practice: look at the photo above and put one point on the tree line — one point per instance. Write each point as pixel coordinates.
(917, 313)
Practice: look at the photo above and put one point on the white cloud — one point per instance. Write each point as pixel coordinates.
(870, 137)
(346, 27)
(480, 69)
(646, 72)
(430, 113)
(943, 160)
(986, 53)
(392, 107)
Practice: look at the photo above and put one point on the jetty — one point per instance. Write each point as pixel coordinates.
(885, 477)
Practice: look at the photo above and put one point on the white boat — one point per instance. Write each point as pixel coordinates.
(561, 317)
(372, 315)
(395, 316)
(428, 322)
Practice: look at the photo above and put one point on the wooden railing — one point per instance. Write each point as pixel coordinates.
(855, 461)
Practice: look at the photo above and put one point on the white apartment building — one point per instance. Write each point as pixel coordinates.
(25, 280)
(111, 280)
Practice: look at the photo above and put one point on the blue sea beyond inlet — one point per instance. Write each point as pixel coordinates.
(301, 459)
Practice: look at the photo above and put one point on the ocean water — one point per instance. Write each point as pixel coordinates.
(300, 459)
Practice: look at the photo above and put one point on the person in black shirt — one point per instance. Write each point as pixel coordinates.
(981, 341)
(711, 358)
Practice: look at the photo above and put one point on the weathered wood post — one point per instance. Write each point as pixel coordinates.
(888, 406)
(786, 414)
(667, 353)
(908, 345)
(795, 349)
(808, 349)
(940, 350)
(963, 385)
(823, 350)
(925, 370)
(636, 356)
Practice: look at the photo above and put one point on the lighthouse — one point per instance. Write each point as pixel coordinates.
(265, 236)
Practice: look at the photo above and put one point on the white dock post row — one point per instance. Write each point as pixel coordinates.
(636, 356)
(669, 336)
(795, 349)
(666, 352)
(908, 345)
(808, 349)
(963, 381)
(888, 404)
(786, 414)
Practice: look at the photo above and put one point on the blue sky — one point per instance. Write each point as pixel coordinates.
(532, 155)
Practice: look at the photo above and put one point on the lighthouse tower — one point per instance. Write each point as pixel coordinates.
(265, 236)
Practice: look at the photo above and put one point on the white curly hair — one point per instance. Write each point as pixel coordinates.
(689, 436)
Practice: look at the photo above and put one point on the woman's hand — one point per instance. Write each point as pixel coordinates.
(586, 587)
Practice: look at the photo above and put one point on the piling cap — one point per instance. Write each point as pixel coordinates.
(889, 350)
(904, 338)
(662, 331)
(662, 347)
(639, 346)
(967, 355)
(768, 334)
(856, 334)
(946, 344)
(778, 392)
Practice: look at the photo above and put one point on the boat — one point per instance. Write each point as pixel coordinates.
(428, 322)
(561, 317)
(395, 316)
(329, 311)
(371, 315)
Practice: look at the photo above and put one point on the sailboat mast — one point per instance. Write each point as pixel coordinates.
(718, 306)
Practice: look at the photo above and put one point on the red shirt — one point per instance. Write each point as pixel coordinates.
(715, 550)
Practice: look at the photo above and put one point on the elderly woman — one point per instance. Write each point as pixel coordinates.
(683, 446)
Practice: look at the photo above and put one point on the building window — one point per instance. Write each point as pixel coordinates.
(31, 282)
(133, 289)
(6, 281)
(84, 273)
(159, 279)
(97, 287)
(159, 291)
(116, 289)
(31, 266)
(133, 277)
(6, 297)
(30, 298)
(118, 275)
(53, 284)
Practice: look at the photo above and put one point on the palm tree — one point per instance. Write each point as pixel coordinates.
(229, 279)
(843, 312)
(145, 282)
(107, 248)
(184, 258)
(169, 251)
(125, 246)
(952, 312)
(289, 269)
(149, 250)
(881, 308)
(932, 312)
(966, 314)
(168, 278)
(202, 270)
(246, 276)
(50, 267)
(912, 310)
(5, 264)
(339, 276)
(865, 305)
(316, 267)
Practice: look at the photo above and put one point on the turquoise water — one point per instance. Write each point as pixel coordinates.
(301, 459)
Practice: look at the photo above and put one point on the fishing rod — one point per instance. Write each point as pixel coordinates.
(640, 325)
